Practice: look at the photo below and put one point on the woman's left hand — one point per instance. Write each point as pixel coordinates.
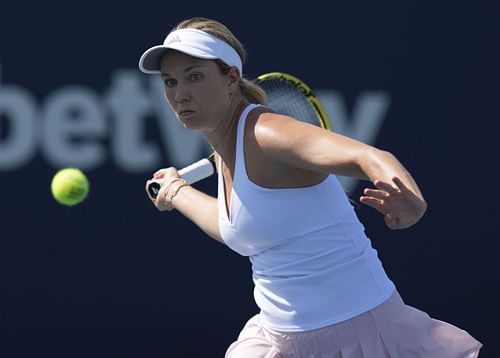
(400, 206)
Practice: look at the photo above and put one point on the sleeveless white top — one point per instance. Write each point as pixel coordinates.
(312, 263)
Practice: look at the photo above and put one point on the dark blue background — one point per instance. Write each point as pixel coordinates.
(115, 278)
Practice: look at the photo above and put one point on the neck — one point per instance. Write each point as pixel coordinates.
(223, 137)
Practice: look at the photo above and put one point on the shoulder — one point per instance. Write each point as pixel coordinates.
(262, 136)
(269, 129)
(263, 117)
(274, 150)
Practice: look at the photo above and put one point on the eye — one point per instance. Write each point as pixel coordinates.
(169, 82)
(195, 76)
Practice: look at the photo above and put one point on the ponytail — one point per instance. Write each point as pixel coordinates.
(252, 92)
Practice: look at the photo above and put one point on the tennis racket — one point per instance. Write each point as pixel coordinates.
(286, 95)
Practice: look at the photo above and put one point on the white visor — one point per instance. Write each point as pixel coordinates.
(192, 42)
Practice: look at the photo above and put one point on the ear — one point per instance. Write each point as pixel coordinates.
(234, 79)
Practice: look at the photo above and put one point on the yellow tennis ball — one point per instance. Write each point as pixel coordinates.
(70, 186)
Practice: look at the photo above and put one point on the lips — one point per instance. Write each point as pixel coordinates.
(185, 113)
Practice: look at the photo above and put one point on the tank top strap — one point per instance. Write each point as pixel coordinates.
(239, 165)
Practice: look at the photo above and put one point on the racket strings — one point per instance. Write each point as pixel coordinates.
(287, 99)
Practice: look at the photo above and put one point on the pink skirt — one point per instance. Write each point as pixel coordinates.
(392, 329)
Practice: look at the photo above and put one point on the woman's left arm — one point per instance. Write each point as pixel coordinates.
(300, 145)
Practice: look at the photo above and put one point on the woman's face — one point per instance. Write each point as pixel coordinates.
(196, 89)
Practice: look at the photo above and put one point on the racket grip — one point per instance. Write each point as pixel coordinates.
(197, 171)
(191, 174)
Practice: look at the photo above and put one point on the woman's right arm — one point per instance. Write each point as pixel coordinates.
(197, 206)
(200, 208)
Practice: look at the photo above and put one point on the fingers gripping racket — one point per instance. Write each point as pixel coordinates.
(286, 95)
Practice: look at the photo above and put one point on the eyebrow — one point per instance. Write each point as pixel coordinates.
(164, 74)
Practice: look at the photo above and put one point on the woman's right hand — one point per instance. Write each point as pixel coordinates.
(196, 205)
(163, 177)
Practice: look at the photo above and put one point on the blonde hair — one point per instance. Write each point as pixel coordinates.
(252, 92)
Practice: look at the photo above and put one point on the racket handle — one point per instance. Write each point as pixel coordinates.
(197, 171)
(191, 174)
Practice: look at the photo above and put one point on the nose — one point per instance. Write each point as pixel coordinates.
(181, 93)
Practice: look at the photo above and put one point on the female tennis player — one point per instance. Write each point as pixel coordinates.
(320, 286)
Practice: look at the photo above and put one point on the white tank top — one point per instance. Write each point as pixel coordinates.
(312, 263)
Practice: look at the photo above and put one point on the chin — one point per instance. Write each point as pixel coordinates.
(191, 125)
